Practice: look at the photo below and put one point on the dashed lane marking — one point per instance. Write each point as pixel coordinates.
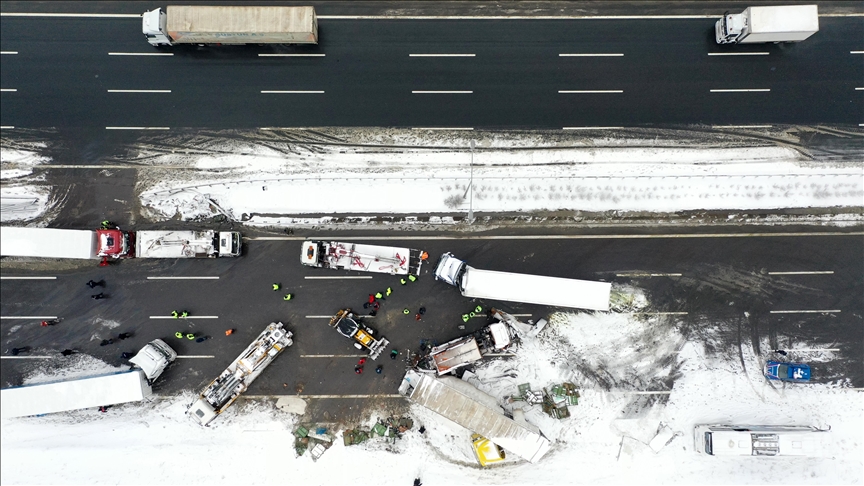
(441, 92)
(187, 318)
(28, 317)
(750, 90)
(441, 55)
(290, 92)
(28, 278)
(589, 91)
(8, 52)
(740, 126)
(465, 129)
(139, 90)
(195, 357)
(140, 53)
(592, 128)
(339, 278)
(182, 278)
(383, 395)
(738, 53)
(330, 317)
(27, 357)
(654, 313)
(647, 274)
(592, 55)
(333, 355)
(818, 311)
(291, 55)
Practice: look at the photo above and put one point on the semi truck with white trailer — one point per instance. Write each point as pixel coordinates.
(93, 391)
(784, 23)
(205, 25)
(187, 244)
(478, 412)
(761, 440)
(231, 383)
(362, 258)
(65, 243)
(520, 287)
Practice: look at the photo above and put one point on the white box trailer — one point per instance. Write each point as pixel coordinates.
(187, 244)
(478, 412)
(786, 23)
(760, 440)
(520, 287)
(188, 24)
(48, 243)
(62, 396)
(92, 391)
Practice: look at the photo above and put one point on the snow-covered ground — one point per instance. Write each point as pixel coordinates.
(279, 182)
(605, 441)
(22, 198)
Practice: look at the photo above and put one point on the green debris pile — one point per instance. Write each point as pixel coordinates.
(554, 400)
(391, 428)
(317, 440)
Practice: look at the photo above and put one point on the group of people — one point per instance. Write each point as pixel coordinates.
(358, 368)
(92, 284)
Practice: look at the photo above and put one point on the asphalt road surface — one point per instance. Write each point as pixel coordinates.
(730, 284)
(514, 73)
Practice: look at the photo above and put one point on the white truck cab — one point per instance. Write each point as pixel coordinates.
(153, 358)
(153, 26)
(760, 440)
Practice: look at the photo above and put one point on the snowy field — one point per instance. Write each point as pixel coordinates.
(22, 197)
(605, 441)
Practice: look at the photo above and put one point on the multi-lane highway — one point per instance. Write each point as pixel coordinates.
(467, 72)
(724, 291)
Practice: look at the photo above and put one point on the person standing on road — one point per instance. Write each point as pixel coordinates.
(229, 332)
(124, 335)
(276, 287)
(91, 284)
(202, 339)
(16, 351)
(190, 336)
(184, 314)
(178, 335)
(126, 355)
(371, 298)
(106, 342)
(67, 352)
(288, 297)
(388, 291)
(98, 296)
(174, 314)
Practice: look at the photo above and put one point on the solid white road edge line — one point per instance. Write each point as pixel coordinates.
(137, 128)
(561, 237)
(821, 311)
(741, 126)
(647, 274)
(442, 128)
(592, 128)
(826, 272)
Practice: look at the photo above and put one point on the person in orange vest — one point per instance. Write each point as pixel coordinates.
(229, 332)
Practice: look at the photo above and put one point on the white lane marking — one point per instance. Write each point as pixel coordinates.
(187, 318)
(856, 52)
(592, 128)
(820, 311)
(291, 55)
(859, 89)
(28, 317)
(28, 278)
(647, 274)
(815, 350)
(740, 126)
(339, 278)
(6, 127)
(441, 55)
(522, 17)
(8, 90)
(318, 317)
(442, 92)
(182, 278)
(591, 55)
(653, 313)
(560, 237)
(442, 128)
(826, 272)
(72, 15)
(139, 90)
(754, 90)
(137, 128)
(589, 91)
(195, 357)
(500, 355)
(290, 92)
(26, 357)
(8, 52)
(738, 53)
(521, 315)
(331, 316)
(332, 355)
(387, 395)
(140, 53)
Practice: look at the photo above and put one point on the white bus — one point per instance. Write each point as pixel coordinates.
(760, 440)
